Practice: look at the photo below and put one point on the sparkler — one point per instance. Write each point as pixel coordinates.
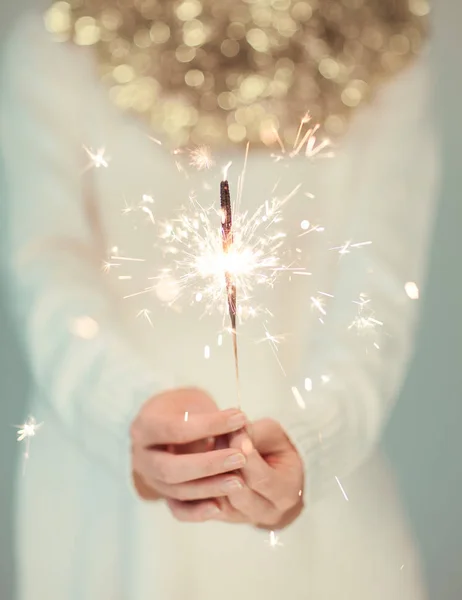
(216, 253)
(231, 290)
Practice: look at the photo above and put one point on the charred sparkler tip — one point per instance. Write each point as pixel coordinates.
(227, 235)
(225, 202)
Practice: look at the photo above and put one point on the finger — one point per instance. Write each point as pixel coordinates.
(145, 491)
(193, 512)
(157, 465)
(159, 430)
(201, 489)
(228, 513)
(258, 475)
(279, 487)
(268, 436)
(254, 507)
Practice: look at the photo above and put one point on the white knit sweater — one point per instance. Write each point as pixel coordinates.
(82, 532)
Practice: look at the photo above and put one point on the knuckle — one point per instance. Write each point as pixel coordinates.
(171, 432)
(273, 519)
(180, 493)
(261, 483)
(285, 503)
(161, 470)
(210, 466)
(179, 515)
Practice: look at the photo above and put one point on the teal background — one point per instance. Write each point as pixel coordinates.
(423, 438)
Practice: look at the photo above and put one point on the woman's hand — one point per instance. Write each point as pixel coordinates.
(172, 437)
(268, 492)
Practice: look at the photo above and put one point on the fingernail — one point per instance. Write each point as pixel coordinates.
(235, 461)
(231, 485)
(237, 421)
(211, 512)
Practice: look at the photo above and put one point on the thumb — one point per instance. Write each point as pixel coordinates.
(269, 437)
(242, 440)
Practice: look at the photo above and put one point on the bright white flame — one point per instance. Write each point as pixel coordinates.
(254, 258)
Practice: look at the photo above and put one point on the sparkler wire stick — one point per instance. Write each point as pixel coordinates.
(231, 292)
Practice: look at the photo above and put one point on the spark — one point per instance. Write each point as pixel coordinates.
(305, 225)
(308, 384)
(254, 257)
(146, 314)
(298, 397)
(201, 158)
(127, 209)
(318, 303)
(364, 322)
(220, 339)
(148, 211)
(274, 341)
(342, 489)
(146, 199)
(207, 352)
(412, 290)
(128, 258)
(97, 159)
(186, 416)
(26, 431)
(107, 266)
(274, 540)
(306, 142)
(345, 249)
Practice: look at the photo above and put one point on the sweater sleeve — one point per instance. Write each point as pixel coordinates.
(84, 356)
(357, 359)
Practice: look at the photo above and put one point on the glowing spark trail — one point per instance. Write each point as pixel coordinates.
(305, 143)
(342, 489)
(345, 249)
